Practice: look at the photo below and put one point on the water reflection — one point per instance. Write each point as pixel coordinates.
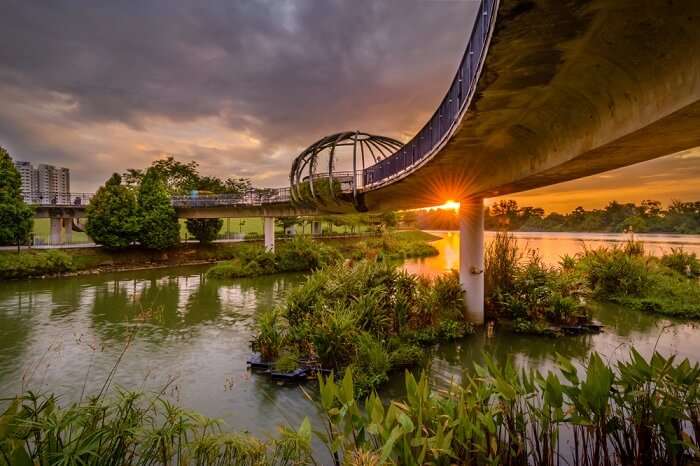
(551, 246)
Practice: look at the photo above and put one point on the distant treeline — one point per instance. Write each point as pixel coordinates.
(648, 217)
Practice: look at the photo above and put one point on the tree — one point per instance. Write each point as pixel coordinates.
(389, 219)
(16, 217)
(160, 228)
(112, 215)
(204, 229)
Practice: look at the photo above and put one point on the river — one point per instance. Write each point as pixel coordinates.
(188, 336)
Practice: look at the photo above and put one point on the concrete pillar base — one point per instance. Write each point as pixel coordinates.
(67, 230)
(55, 231)
(269, 231)
(471, 257)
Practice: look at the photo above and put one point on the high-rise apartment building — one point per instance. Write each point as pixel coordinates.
(45, 184)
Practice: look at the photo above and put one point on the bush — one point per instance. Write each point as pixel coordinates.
(34, 264)
(16, 217)
(205, 230)
(160, 228)
(112, 215)
(682, 262)
(530, 293)
(612, 271)
(298, 255)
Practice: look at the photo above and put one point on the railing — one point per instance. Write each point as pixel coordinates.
(254, 197)
(434, 133)
(56, 199)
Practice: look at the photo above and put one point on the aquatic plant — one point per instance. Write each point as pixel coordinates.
(366, 315)
(134, 429)
(637, 412)
(298, 255)
(522, 288)
(685, 263)
(642, 282)
(640, 411)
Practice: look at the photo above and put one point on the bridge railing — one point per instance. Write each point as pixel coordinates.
(434, 133)
(254, 197)
(56, 199)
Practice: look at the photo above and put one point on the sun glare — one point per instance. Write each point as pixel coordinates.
(450, 204)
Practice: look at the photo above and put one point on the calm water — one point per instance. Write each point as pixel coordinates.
(189, 336)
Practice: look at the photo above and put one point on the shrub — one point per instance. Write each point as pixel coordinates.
(612, 271)
(113, 216)
(16, 217)
(34, 264)
(406, 355)
(501, 262)
(205, 230)
(682, 262)
(160, 228)
(269, 338)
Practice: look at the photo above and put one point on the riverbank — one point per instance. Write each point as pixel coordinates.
(87, 261)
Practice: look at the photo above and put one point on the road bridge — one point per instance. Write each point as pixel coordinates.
(546, 91)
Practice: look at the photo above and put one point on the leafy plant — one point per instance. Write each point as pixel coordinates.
(205, 230)
(16, 217)
(160, 228)
(113, 215)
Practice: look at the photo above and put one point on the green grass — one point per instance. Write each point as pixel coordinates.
(42, 230)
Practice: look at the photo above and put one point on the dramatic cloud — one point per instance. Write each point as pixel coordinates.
(239, 86)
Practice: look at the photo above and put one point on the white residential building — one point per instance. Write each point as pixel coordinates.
(45, 184)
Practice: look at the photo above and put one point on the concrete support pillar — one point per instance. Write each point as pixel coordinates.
(316, 228)
(67, 230)
(55, 231)
(471, 257)
(269, 230)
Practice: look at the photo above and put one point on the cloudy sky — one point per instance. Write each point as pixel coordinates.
(241, 86)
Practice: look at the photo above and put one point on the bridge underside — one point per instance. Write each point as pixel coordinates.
(568, 89)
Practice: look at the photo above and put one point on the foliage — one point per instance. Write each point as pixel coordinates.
(16, 217)
(625, 275)
(112, 215)
(34, 264)
(366, 316)
(394, 246)
(637, 412)
(682, 262)
(181, 178)
(520, 287)
(205, 230)
(160, 228)
(133, 429)
(298, 255)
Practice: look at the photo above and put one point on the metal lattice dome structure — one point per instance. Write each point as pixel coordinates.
(312, 185)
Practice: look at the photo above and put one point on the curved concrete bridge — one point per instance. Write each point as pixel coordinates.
(546, 91)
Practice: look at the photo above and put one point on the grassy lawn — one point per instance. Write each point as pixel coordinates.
(42, 227)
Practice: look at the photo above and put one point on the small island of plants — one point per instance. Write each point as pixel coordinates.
(302, 254)
(369, 316)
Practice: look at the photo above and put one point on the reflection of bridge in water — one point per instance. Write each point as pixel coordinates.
(546, 91)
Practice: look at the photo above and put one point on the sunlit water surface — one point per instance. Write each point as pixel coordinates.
(180, 333)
